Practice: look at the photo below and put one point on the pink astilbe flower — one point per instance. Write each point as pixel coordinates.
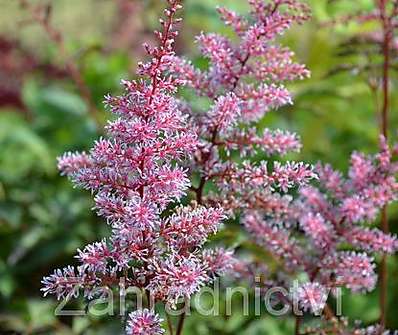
(330, 219)
(306, 226)
(72, 162)
(94, 257)
(236, 21)
(276, 240)
(144, 322)
(286, 176)
(355, 271)
(218, 261)
(189, 227)
(224, 115)
(243, 94)
(331, 216)
(271, 142)
(63, 283)
(319, 231)
(136, 173)
(177, 277)
(310, 219)
(371, 240)
(312, 297)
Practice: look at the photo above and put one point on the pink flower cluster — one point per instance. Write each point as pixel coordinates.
(321, 231)
(245, 80)
(144, 322)
(136, 173)
(312, 296)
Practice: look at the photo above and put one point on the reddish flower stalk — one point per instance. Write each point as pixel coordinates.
(386, 21)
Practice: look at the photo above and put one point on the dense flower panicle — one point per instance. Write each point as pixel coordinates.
(136, 172)
(63, 283)
(258, 35)
(233, 66)
(230, 18)
(238, 178)
(311, 198)
(361, 169)
(355, 271)
(258, 101)
(318, 230)
(231, 60)
(71, 163)
(224, 115)
(280, 66)
(94, 256)
(132, 212)
(189, 227)
(270, 142)
(306, 217)
(245, 80)
(371, 240)
(276, 240)
(358, 209)
(332, 217)
(177, 277)
(218, 261)
(278, 142)
(291, 174)
(219, 50)
(144, 322)
(331, 180)
(278, 207)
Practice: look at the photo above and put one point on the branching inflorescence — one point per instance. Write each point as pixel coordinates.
(245, 80)
(321, 231)
(136, 175)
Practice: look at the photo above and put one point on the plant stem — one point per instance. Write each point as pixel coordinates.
(297, 325)
(169, 324)
(386, 21)
(180, 324)
(387, 32)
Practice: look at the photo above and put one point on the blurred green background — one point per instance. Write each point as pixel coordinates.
(43, 220)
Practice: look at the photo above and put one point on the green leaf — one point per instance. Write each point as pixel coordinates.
(22, 149)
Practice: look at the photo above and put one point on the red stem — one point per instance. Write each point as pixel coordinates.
(387, 32)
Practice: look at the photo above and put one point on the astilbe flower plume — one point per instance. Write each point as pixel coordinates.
(244, 81)
(327, 234)
(321, 232)
(136, 174)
